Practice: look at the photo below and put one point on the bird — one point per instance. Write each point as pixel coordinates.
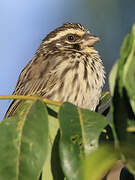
(65, 67)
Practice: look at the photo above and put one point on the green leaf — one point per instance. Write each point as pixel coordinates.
(121, 113)
(122, 106)
(129, 156)
(129, 68)
(24, 142)
(55, 160)
(112, 78)
(117, 70)
(132, 102)
(126, 48)
(51, 167)
(80, 130)
(124, 53)
(98, 163)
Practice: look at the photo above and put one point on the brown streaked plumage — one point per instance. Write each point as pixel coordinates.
(66, 67)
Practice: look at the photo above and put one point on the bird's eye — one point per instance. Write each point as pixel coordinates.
(71, 38)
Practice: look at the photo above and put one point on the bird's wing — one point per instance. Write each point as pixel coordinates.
(34, 79)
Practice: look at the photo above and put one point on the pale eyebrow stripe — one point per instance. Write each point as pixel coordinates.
(64, 33)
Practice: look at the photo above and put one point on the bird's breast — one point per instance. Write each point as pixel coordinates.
(79, 81)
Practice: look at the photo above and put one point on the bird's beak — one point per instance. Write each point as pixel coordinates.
(90, 40)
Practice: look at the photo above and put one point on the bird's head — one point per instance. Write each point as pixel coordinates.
(70, 37)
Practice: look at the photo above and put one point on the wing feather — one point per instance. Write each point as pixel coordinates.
(35, 79)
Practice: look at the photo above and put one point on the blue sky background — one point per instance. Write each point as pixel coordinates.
(24, 23)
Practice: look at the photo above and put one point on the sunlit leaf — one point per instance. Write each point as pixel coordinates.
(129, 68)
(98, 163)
(112, 78)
